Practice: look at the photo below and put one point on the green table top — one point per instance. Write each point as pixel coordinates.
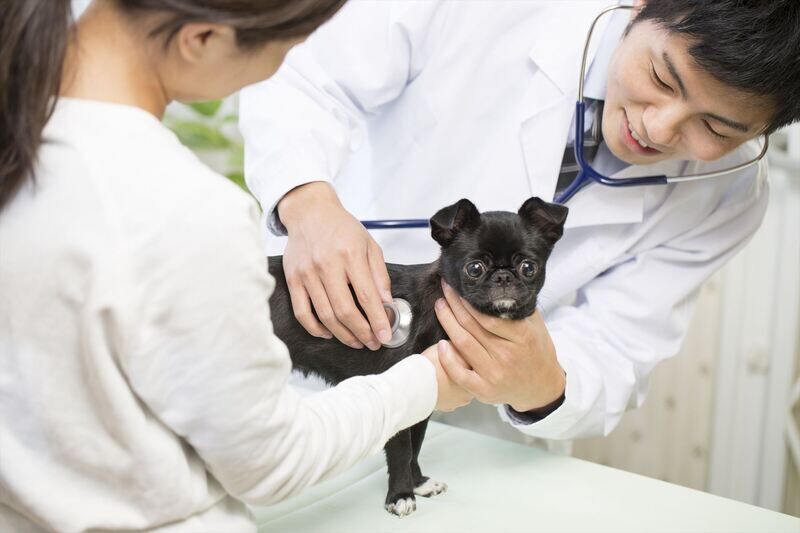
(500, 486)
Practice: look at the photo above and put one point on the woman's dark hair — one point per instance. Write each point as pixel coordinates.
(33, 39)
(749, 45)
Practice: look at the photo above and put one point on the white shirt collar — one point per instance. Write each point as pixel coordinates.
(595, 84)
(594, 87)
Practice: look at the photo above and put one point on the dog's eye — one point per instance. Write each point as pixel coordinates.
(475, 269)
(527, 269)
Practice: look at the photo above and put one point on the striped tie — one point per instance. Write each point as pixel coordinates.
(592, 139)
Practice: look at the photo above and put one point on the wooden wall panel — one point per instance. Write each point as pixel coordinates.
(667, 438)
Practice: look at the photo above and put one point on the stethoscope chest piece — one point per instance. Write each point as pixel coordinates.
(399, 313)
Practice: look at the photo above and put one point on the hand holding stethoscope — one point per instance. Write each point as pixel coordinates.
(328, 253)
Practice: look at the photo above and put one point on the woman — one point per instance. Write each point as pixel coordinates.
(141, 386)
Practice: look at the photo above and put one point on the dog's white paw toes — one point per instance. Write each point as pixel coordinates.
(402, 507)
(430, 487)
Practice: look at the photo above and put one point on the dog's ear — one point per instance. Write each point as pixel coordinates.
(545, 217)
(453, 219)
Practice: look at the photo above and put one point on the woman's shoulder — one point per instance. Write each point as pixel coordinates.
(138, 189)
(144, 171)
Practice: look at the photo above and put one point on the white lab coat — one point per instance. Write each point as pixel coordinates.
(408, 106)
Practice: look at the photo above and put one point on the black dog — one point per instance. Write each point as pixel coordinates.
(495, 261)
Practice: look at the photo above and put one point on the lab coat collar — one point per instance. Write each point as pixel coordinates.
(557, 48)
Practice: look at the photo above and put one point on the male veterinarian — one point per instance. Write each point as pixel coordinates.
(396, 109)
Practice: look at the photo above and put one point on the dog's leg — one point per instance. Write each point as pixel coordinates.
(423, 486)
(400, 499)
(417, 436)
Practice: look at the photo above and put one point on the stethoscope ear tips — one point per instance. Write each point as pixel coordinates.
(399, 314)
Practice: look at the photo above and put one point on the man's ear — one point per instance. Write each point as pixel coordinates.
(545, 217)
(453, 219)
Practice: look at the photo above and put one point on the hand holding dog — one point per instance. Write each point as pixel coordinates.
(499, 361)
(451, 396)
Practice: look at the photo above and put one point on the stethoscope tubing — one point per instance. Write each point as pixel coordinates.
(396, 223)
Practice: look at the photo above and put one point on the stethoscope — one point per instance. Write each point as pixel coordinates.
(587, 174)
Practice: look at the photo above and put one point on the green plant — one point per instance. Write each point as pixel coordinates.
(209, 129)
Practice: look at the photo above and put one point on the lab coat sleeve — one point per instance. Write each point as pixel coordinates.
(210, 368)
(300, 125)
(634, 315)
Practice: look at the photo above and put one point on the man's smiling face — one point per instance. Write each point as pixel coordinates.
(660, 105)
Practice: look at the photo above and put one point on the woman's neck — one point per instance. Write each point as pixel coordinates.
(107, 61)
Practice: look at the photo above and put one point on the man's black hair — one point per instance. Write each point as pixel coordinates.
(749, 45)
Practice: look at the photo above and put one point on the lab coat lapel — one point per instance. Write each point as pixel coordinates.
(560, 33)
(543, 137)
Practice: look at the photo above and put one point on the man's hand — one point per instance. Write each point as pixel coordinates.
(450, 395)
(329, 251)
(499, 361)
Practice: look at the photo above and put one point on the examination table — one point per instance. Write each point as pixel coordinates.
(499, 486)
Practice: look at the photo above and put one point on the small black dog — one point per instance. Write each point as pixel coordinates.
(495, 261)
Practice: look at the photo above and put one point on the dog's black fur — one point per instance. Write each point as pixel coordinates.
(503, 286)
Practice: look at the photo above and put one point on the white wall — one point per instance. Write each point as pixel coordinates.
(715, 417)
(759, 341)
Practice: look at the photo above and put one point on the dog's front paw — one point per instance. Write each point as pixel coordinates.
(430, 487)
(402, 506)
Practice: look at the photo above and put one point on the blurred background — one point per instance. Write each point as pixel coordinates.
(723, 415)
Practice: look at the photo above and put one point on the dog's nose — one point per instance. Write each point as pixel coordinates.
(502, 278)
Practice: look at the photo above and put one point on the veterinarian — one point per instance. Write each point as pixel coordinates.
(393, 110)
(141, 384)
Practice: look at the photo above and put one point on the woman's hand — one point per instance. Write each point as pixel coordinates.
(500, 361)
(329, 251)
(450, 396)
